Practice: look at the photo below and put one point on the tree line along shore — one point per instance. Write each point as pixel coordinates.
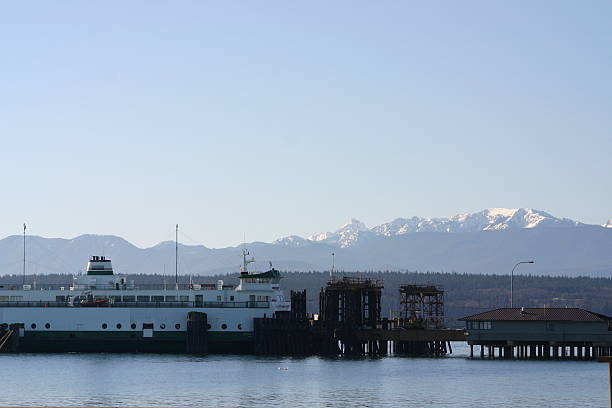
(465, 294)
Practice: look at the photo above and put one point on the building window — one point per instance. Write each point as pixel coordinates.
(479, 325)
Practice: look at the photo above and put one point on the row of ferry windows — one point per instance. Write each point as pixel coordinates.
(139, 298)
(133, 326)
(185, 298)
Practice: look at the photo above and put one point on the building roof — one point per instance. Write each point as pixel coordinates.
(573, 314)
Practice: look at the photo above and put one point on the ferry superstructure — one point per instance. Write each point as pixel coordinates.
(101, 311)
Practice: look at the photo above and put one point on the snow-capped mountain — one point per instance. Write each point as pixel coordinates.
(291, 241)
(490, 219)
(348, 235)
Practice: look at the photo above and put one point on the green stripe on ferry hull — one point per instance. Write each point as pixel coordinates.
(115, 341)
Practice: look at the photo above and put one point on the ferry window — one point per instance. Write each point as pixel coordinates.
(4, 298)
(157, 298)
(33, 325)
(118, 325)
(143, 298)
(60, 298)
(47, 326)
(177, 326)
(231, 298)
(116, 298)
(129, 298)
(224, 326)
(104, 325)
(219, 298)
(170, 298)
(252, 298)
(162, 326)
(184, 298)
(239, 326)
(133, 326)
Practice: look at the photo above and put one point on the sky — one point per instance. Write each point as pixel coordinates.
(260, 120)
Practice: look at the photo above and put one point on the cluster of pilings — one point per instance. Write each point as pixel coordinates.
(350, 323)
(350, 304)
(197, 333)
(436, 348)
(421, 307)
(293, 333)
(541, 351)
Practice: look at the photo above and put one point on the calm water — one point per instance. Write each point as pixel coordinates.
(246, 381)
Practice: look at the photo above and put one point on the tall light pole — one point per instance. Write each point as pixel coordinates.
(24, 252)
(512, 280)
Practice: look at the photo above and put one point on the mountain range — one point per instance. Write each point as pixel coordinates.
(356, 231)
(490, 241)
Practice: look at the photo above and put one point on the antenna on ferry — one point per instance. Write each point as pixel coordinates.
(176, 258)
(245, 261)
(24, 252)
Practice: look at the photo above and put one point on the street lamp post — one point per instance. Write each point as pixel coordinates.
(512, 280)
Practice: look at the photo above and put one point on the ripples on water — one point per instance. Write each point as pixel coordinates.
(248, 381)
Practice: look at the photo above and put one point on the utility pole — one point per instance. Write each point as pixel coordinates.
(24, 252)
(176, 258)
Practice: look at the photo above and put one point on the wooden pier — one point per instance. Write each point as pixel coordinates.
(350, 324)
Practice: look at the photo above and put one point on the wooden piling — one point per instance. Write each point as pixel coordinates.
(197, 333)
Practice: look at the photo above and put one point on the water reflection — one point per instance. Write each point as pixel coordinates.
(249, 381)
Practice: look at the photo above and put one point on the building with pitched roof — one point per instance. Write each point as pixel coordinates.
(540, 333)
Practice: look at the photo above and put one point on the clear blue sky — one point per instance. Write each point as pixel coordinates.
(277, 118)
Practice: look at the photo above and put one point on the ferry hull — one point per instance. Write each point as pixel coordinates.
(121, 342)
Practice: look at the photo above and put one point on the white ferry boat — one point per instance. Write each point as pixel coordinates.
(101, 311)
